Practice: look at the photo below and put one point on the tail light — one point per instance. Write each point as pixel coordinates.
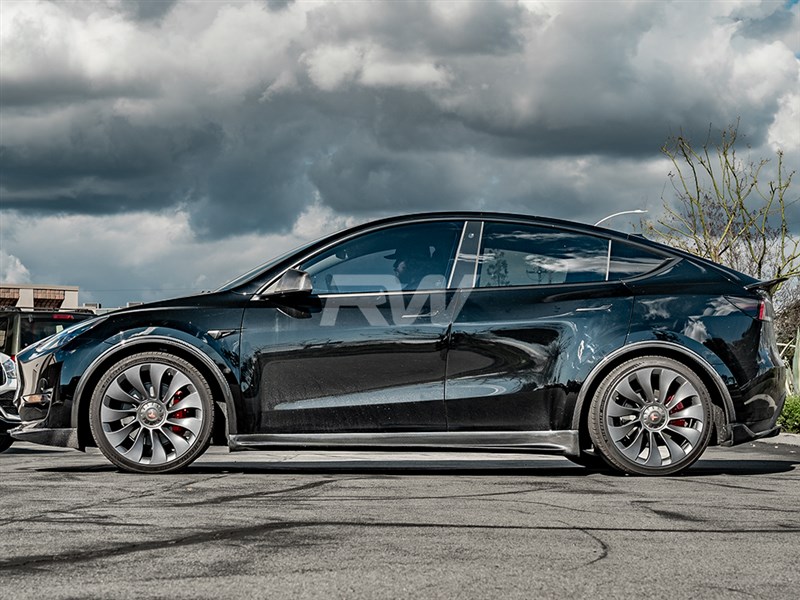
(758, 308)
(765, 309)
(762, 311)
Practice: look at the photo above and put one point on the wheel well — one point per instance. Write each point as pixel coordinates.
(85, 438)
(720, 417)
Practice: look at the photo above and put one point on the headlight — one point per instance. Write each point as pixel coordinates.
(8, 366)
(8, 373)
(70, 333)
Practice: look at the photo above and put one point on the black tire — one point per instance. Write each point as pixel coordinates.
(651, 416)
(5, 441)
(152, 413)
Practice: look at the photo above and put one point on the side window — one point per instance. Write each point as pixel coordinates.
(406, 257)
(516, 255)
(628, 260)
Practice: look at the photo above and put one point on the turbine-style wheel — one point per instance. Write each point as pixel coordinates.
(651, 416)
(152, 413)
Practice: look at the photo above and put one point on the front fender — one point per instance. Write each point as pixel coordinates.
(218, 357)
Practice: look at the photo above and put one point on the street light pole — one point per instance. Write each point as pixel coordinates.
(636, 211)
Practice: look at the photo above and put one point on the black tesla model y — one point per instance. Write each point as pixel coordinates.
(438, 331)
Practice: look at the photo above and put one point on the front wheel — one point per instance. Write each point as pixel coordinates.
(152, 413)
(651, 416)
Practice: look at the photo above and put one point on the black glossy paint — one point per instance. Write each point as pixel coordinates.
(517, 356)
(371, 371)
(457, 360)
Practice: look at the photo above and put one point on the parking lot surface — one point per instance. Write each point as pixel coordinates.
(398, 525)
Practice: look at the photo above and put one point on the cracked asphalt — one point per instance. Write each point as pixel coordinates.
(398, 525)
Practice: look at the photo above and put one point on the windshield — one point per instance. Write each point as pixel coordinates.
(252, 273)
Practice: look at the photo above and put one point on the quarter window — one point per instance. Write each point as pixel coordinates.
(628, 261)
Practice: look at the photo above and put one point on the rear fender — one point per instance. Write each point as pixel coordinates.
(713, 371)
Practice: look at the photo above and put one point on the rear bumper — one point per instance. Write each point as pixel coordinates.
(758, 408)
(741, 434)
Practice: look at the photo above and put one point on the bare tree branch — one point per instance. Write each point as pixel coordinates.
(730, 210)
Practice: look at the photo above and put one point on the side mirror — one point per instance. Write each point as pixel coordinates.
(291, 282)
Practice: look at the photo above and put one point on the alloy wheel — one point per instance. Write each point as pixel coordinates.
(652, 417)
(152, 413)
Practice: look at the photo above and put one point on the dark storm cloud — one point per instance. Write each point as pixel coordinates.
(439, 28)
(106, 165)
(768, 25)
(60, 88)
(164, 146)
(259, 182)
(247, 113)
(277, 5)
(147, 10)
(361, 178)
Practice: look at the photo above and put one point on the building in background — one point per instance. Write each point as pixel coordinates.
(35, 296)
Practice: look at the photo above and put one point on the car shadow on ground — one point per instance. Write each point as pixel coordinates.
(436, 468)
(740, 467)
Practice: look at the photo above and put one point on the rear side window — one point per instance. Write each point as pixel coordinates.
(628, 260)
(517, 255)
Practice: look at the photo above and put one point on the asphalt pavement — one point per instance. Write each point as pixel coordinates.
(399, 525)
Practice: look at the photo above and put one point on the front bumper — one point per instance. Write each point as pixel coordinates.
(35, 433)
(9, 417)
(44, 418)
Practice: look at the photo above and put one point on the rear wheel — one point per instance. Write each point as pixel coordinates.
(152, 413)
(651, 416)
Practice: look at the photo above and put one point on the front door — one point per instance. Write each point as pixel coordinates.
(367, 350)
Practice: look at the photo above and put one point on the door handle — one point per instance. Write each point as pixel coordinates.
(594, 308)
(420, 315)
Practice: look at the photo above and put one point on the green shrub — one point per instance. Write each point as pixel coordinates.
(790, 417)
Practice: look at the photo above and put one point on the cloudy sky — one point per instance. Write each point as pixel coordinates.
(155, 148)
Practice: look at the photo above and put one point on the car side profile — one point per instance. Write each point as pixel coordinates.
(440, 331)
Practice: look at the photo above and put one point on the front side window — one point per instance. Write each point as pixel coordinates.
(406, 257)
(518, 255)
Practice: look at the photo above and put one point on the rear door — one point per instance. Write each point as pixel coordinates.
(543, 310)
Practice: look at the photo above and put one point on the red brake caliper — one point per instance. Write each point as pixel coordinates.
(677, 408)
(181, 414)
